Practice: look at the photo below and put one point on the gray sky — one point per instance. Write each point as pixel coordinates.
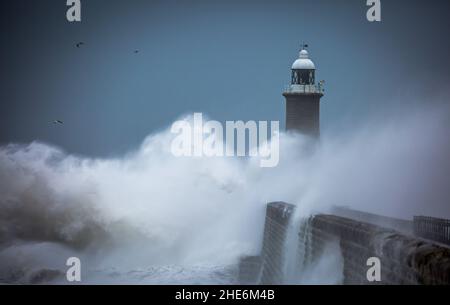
(228, 59)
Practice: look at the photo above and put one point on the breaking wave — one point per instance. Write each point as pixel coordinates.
(149, 217)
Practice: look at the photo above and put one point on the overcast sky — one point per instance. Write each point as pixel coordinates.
(228, 59)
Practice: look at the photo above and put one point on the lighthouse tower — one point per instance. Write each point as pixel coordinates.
(303, 97)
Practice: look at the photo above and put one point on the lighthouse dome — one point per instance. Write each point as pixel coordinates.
(303, 62)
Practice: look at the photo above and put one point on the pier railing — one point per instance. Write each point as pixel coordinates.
(432, 228)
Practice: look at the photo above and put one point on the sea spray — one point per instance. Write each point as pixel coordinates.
(148, 209)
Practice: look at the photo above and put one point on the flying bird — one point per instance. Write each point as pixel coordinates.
(58, 122)
(136, 51)
(79, 44)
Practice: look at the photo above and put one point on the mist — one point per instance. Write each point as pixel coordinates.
(150, 217)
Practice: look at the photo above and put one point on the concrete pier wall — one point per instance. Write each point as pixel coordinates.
(278, 216)
(405, 259)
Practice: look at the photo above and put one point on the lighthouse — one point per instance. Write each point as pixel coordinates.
(303, 97)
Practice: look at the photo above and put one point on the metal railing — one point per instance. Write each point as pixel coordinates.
(432, 228)
(305, 89)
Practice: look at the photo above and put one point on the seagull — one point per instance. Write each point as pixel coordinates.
(79, 44)
(58, 122)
